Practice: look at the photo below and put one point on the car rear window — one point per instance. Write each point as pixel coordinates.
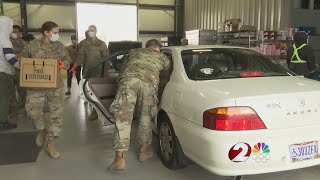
(226, 63)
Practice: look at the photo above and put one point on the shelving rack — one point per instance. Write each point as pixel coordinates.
(236, 38)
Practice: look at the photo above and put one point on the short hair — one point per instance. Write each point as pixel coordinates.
(48, 26)
(301, 37)
(93, 26)
(153, 43)
(74, 37)
(17, 27)
(184, 42)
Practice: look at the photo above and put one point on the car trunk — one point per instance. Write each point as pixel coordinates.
(281, 102)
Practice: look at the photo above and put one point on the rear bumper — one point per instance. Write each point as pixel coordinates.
(210, 149)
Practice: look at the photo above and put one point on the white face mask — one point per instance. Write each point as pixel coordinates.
(92, 34)
(14, 35)
(54, 38)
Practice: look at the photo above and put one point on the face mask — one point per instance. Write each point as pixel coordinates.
(54, 38)
(92, 34)
(14, 35)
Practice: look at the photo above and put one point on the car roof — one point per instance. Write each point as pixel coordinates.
(189, 47)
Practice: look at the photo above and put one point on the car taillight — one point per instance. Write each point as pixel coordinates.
(252, 74)
(232, 119)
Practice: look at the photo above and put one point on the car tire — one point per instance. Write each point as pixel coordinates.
(170, 150)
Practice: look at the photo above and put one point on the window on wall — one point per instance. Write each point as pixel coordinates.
(114, 22)
(308, 4)
(316, 4)
(305, 4)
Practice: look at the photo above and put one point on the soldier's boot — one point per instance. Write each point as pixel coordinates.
(119, 163)
(52, 150)
(93, 116)
(145, 153)
(41, 138)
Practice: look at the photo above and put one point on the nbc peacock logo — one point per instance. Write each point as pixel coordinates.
(261, 153)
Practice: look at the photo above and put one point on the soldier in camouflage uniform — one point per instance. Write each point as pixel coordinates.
(18, 45)
(91, 51)
(138, 84)
(37, 99)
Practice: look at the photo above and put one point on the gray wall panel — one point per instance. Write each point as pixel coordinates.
(264, 14)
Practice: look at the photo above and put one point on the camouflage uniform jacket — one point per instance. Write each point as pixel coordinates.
(38, 49)
(72, 51)
(92, 51)
(146, 65)
(18, 45)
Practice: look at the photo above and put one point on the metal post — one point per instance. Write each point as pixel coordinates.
(138, 19)
(1, 8)
(179, 17)
(24, 19)
(176, 17)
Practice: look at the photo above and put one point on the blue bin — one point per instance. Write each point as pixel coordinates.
(309, 30)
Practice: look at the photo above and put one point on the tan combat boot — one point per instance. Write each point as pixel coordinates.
(52, 151)
(119, 162)
(145, 153)
(41, 138)
(93, 116)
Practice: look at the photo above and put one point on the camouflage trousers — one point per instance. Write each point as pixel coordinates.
(132, 92)
(7, 102)
(18, 106)
(46, 102)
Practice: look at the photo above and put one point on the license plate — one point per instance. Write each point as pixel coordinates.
(304, 151)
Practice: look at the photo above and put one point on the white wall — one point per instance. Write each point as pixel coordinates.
(13, 10)
(159, 2)
(156, 20)
(64, 16)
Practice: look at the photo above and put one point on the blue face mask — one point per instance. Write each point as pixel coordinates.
(54, 38)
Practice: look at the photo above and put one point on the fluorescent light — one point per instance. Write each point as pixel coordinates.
(202, 50)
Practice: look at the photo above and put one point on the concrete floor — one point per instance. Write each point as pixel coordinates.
(87, 149)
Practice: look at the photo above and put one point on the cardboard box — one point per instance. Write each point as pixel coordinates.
(39, 73)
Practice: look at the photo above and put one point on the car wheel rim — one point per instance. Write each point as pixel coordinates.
(166, 143)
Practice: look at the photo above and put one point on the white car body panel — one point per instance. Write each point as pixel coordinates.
(289, 107)
(272, 98)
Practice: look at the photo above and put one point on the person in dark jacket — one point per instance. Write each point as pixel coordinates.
(301, 59)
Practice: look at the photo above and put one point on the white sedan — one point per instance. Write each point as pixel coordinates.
(231, 110)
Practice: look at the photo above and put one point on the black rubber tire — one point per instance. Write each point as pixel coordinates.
(238, 178)
(178, 160)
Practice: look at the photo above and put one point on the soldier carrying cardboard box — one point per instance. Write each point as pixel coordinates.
(48, 47)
